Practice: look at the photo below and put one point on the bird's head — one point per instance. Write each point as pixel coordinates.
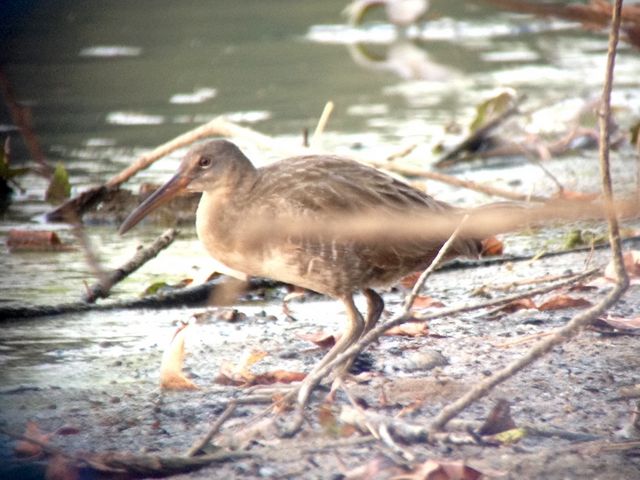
(206, 167)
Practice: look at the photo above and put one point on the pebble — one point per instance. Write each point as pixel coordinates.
(426, 360)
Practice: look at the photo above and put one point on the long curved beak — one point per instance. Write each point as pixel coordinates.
(161, 196)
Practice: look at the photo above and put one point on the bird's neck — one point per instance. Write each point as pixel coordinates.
(220, 213)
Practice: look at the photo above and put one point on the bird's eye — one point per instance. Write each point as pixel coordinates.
(204, 162)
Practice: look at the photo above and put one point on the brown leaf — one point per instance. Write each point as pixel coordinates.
(25, 448)
(565, 194)
(327, 418)
(410, 280)
(582, 287)
(621, 323)
(68, 430)
(519, 304)
(171, 376)
(375, 468)
(434, 470)
(410, 329)
(239, 374)
(499, 419)
(278, 376)
(492, 247)
(62, 468)
(28, 240)
(321, 339)
(425, 301)
(562, 301)
(631, 265)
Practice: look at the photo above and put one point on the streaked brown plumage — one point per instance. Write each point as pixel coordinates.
(312, 188)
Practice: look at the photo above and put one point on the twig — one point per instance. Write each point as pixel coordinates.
(638, 166)
(322, 123)
(533, 281)
(45, 446)
(135, 465)
(586, 317)
(21, 118)
(462, 431)
(90, 255)
(379, 430)
(103, 286)
(376, 332)
(604, 120)
(523, 339)
(215, 428)
(411, 297)
(219, 126)
(456, 182)
(449, 158)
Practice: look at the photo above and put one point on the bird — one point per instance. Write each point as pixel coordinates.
(399, 12)
(236, 196)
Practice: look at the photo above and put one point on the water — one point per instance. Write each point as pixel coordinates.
(105, 81)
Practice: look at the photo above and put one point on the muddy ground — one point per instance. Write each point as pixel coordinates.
(105, 398)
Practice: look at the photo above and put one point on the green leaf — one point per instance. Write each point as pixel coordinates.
(6, 172)
(59, 188)
(490, 108)
(509, 437)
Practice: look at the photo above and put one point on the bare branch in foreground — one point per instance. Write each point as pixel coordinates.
(202, 443)
(375, 333)
(103, 286)
(585, 317)
(408, 301)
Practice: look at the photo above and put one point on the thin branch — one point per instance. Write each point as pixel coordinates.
(101, 288)
(22, 118)
(605, 140)
(411, 297)
(375, 333)
(410, 171)
(215, 428)
(322, 123)
(449, 158)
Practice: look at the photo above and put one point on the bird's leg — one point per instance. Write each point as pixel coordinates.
(355, 327)
(375, 306)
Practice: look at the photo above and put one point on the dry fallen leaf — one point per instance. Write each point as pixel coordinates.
(25, 448)
(492, 247)
(516, 305)
(240, 374)
(631, 265)
(38, 240)
(411, 329)
(565, 194)
(171, 376)
(425, 301)
(621, 323)
(561, 301)
(410, 280)
(62, 468)
(321, 339)
(278, 376)
(499, 419)
(434, 470)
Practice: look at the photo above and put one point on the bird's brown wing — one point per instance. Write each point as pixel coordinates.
(316, 188)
